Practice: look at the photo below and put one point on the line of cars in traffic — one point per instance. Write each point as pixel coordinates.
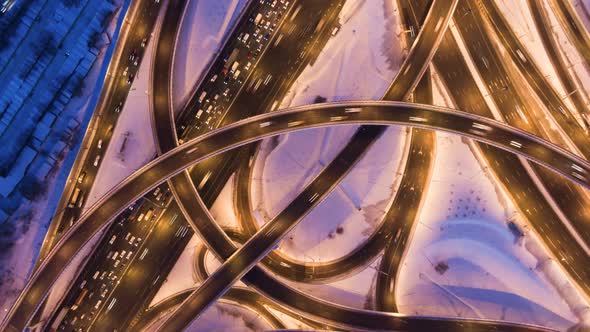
(78, 196)
(115, 252)
(216, 93)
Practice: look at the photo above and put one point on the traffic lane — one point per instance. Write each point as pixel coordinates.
(236, 295)
(422, 51)
(144, 20)
(537, 81)
(509, 171)
(402, 214)
(551, 45)
(575, 29)
(190, 126)
(113, 243)
(570, 199)
(143, 269)
(160, 82)
(257, 247)
(271, 124)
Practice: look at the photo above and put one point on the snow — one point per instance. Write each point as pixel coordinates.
(203, 28)
(223, 208)
(491, 274)
(285, 165)
(355, 291)
(182, 276)
(33, 218)
(571, 54)
(223, 317)
(134, 125)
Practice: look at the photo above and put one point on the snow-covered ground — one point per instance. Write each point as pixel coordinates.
(464, 224)
(286, 165)
(522, 23)
(223, 317)
(135, 126)
(182, 275)
(21, 257)
(203, 28)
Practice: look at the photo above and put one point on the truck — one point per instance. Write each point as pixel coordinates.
(79, 299)
(234, 66)
(230, 60)
(202, 96)
(257, 19)
(74, 198)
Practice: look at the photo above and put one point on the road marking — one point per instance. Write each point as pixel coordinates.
(519, 52)
(145, 251)
(407, 68)
(337, 118)
(418, 119)
(481, 126)
(192, 150)
(578, 168)
(205, 178)
(515, 144)
(294, 123)
(314, 197)
(353, 110)
(438, 24)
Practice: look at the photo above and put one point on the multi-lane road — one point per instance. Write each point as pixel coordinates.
(246, 131)
(265, 51)
(134, 36)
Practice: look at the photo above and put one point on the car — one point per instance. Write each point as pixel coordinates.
(335, 31)
(144, 42)
(81, 177)
(96, 160)
(99, 144)
(119, 107)
(130, 78)
(132, 55)
(126, 71)
(136, 61)
(214, 78)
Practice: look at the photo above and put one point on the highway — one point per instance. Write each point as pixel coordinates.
(421, 53)
(573, 27)
(507, 170)
(419, 161)
(519, 109)
(135, 32)
(246, 131)
(558, 61)
(161, 258)
(410, 72)
(418, 166)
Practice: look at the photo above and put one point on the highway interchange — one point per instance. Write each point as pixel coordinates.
(147, 219)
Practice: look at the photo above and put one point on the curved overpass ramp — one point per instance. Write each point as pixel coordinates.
(252, 129)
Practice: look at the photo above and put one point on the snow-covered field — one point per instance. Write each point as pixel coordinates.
(464, 224)
(21, 257)
(287, 164)
(135, 126)
(203, 28)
